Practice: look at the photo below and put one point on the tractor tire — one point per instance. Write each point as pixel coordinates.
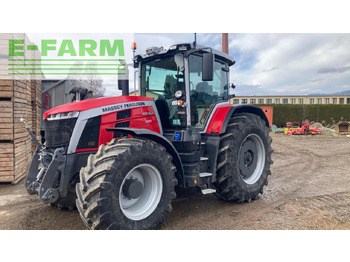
(128, 184)
(66, 203)
(244, 159)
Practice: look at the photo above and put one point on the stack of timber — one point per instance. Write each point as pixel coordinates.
(20, 97)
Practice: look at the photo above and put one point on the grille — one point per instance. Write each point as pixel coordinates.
(59, 132)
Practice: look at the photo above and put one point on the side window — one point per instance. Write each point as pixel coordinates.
(205, 94)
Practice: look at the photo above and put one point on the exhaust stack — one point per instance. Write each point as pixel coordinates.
(123, 81)
(225, 43)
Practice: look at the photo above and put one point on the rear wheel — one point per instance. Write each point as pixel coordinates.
(244, 158)
(128, 184)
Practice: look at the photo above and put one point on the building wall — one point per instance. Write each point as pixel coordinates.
(307, 100)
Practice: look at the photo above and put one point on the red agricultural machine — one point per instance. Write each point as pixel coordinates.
(119, 159)
(304, 130)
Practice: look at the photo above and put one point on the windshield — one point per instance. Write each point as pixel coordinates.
(160, 79)
(205, 94)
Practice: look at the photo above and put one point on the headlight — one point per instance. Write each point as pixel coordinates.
(179, 94)
(66, 115)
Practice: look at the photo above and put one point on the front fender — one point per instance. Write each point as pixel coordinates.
(145, 133)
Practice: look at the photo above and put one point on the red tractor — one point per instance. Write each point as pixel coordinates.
(119, 159)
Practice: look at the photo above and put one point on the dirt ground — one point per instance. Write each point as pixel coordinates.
(309, 189)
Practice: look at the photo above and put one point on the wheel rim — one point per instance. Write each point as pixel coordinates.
(251, 159)
(141, 201)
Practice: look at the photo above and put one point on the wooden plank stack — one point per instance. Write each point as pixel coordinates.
(20, 96)
(36, 103)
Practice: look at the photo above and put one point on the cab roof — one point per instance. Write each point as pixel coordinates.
(188, 48)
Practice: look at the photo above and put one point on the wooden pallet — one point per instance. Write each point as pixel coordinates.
(19, 97)
(15, 144)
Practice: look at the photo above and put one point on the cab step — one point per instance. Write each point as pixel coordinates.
(208, 191)
(205, 174)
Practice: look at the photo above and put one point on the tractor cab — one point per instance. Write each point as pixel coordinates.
(186, 81)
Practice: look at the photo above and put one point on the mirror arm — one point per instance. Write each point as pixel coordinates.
(188, 53)
(227, 97)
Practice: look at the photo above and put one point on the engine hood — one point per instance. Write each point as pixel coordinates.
(94, 103)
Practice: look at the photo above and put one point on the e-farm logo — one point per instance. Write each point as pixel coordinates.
(87, 57)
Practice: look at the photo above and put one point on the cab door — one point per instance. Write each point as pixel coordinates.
(204, 95)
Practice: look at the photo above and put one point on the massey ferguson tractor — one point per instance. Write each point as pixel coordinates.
(119, 159)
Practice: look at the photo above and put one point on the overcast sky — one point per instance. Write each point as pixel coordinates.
(266, 64)
(276, 64)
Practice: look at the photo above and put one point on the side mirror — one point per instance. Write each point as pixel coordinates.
(208, 67)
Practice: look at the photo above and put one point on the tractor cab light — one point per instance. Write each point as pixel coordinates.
(177, 103)
(179, 94)
(133, 46)
(179, 47)
(183, 48)
(153, 50)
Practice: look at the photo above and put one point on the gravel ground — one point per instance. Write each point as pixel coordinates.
(309, 189)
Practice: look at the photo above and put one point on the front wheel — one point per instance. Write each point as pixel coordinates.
(128, 184)
(244, 158)
(68, 202)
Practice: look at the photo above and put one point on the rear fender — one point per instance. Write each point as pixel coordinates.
(145, 133)
(222, 115)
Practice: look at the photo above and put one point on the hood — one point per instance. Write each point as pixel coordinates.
(93, 103)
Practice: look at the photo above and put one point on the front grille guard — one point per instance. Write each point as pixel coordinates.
(58, 132)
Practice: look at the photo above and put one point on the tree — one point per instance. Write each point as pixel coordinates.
(95, 82)
(87, 76)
